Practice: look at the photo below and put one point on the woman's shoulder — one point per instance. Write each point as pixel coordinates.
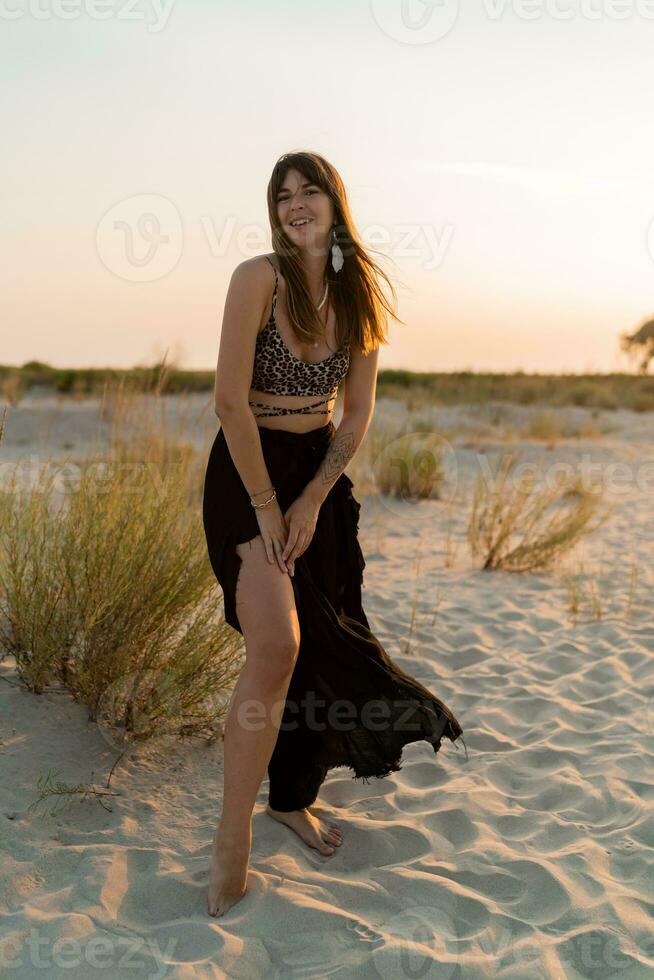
(258, 264)
(255, 272)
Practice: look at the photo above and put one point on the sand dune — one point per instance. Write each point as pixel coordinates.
(532, 859)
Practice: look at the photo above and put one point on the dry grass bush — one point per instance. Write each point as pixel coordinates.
(516, 527)
(402, 459)
(105, 583)
(548, 426)
(583, 590)
(12, 388)
(553, 425)
(584, 596)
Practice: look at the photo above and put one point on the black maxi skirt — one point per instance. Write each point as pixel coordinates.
(347, 703)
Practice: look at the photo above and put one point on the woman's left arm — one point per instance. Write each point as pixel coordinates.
(358, 404)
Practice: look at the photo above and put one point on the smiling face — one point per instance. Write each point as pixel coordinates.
(305, 212)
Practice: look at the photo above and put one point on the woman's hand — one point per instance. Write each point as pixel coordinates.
(301, 519)
(274, 532)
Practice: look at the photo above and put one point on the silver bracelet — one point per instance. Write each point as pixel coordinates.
(272, 497)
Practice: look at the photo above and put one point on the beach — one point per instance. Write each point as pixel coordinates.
(533, 857)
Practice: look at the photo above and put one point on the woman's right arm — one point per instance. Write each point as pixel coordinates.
(245, 303)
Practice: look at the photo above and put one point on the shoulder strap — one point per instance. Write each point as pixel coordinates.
(274, 270)
(275, 292)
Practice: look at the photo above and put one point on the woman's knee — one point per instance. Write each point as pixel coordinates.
(273, 657)
(265, 604)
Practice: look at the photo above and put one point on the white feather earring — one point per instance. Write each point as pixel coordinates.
(337, 254)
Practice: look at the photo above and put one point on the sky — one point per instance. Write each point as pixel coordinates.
(498, 157)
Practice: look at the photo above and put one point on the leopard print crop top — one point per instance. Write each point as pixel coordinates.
(279, 372)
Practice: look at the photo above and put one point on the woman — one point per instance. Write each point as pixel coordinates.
(281, 526)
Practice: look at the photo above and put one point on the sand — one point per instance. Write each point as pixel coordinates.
(531, 859)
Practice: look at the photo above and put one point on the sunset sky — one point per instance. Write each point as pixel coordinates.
(500, 155)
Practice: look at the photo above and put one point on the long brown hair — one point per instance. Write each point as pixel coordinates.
(354, 292)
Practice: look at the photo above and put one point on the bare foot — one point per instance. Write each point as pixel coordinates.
(304, 823)
(228, 873)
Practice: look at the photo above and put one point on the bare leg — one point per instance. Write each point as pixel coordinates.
(266, 611)
(265, 604)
